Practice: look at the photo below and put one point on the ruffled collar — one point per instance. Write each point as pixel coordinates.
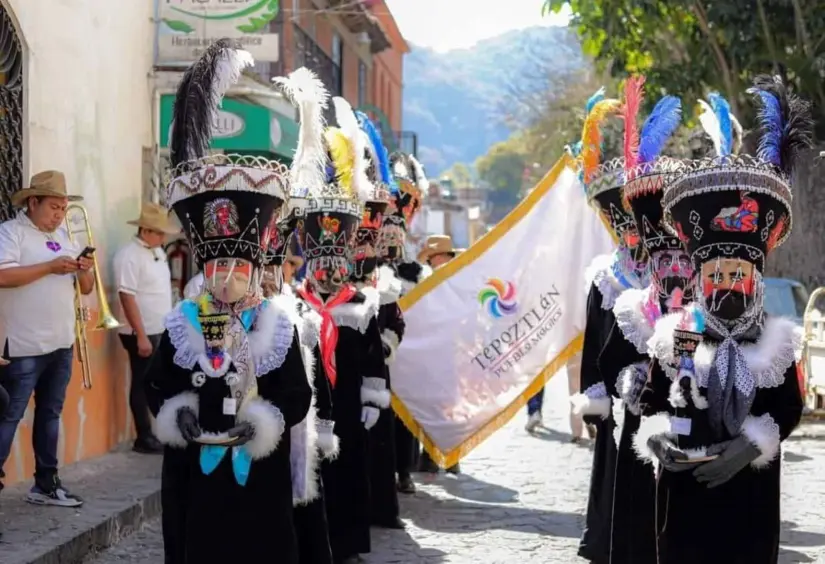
(359, 311)
(768, 358)
(636, 311)
(600, 274)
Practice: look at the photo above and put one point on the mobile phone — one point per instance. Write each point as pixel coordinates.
(698, 459)
(86, 252)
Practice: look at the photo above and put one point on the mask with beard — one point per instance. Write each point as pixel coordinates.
(228, 280)
(328, 274)
(730, 288)
(671, 275)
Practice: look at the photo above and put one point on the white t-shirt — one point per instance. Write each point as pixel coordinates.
(194, 287)
(144, 273)
(40, 316)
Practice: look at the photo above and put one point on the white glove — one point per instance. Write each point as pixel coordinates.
(369, 416)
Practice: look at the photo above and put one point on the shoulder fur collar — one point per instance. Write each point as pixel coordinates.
(600, 275)
(389, 286)
(357, 313)
(629, 310)
(407, 285)
(269, 339)
(779, 345)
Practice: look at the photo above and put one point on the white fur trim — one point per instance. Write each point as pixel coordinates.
(768, 358)
(390, 338)
(268, 422)
(166, 424)
(631, 319)
(763, 433)
(583, 405)
(357, 315)
(329, 444)
(652, 426)
(374, 392)
(388, 285)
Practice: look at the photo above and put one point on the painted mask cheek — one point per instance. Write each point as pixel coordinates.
(747, 285)
(707, 288)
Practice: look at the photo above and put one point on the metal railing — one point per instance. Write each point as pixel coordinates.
(11, 114)
(310, 55)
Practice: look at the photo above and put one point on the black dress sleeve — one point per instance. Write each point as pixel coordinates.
(323, 393)
(288, 389)
(592, 345)
(616, 354)
(164, 378)
(374, 384)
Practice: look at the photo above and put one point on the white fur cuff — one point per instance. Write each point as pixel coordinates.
(327, 440)
(584, 405)
(652, 426)
(166, 424)
(763, 433)
(390, 338)
(268, 422)
(374, 392)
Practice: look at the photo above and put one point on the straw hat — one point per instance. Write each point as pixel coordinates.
(156, 218)
(437, 245)
(49, 183)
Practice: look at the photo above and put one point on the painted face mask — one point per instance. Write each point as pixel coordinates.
(729, 287)
(228, 280)
(671, 275)
(632, 265)
(329, 275)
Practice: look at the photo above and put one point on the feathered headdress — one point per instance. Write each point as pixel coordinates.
(379, 151)
(420, 177)
(785, 123)
(597, 97)
(591, 143)
(633, 97)
(348, 124)
(658, 127)
(306, 91)
(720, 125)
(342, 154)
(199, 95)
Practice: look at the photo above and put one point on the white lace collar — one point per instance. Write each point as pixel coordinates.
(631, 318)
(269, 339)
(600, 274)
(779, 345)
(389, 286)
(357, 315)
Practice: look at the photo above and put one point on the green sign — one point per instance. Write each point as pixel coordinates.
(241, 126)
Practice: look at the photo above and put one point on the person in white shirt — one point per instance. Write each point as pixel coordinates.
(38, 266)
(144, 286)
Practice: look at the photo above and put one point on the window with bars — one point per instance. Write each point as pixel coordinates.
(11, 114)
(310, 55)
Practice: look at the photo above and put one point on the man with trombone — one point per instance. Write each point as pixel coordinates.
(39, 264)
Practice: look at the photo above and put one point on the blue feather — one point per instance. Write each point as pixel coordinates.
(773, 128)
(722, 110)
(593, 100)
(383, 164)
(658, 127)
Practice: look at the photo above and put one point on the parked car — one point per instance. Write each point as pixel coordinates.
(786, 298)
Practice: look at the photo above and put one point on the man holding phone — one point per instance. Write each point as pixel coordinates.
(38, 267)
(144, 286)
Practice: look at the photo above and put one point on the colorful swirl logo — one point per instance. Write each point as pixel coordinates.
(498, 297)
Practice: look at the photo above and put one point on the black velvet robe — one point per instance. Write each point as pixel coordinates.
(737, 522)
(211, 511)
(384, 493)
(359, 356)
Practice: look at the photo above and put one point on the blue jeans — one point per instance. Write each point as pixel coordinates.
(47, 376)
(535, 403)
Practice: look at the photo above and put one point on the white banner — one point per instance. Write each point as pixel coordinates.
(489, 328)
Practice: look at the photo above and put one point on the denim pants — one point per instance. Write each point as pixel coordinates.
(535, 403)
(47, 377)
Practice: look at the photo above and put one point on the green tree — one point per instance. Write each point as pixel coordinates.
(460, 175)
(688, 47)
(503, 167)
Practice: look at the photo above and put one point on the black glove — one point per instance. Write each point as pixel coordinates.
(244, 431)
(668, 453)
(188, 424)
(733, 456)
(409, 271)
(387, 350)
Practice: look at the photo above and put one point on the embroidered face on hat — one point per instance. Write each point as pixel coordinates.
(365, 253)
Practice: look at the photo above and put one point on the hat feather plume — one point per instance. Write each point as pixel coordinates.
(633, 97)
(658, 127)
(419, 176)
(348, 124)
(305, 90)
(591, 149)
(341, 153)
(199, 95)
(785, 122)
(379, 149)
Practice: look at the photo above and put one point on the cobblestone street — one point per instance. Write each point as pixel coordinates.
(521, 499)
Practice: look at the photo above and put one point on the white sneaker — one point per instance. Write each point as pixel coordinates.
(532, 422)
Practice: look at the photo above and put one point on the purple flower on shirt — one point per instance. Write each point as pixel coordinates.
(53, 246)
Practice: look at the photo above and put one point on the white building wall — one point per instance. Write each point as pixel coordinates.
(88, 102)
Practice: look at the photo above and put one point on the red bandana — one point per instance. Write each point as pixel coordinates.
(329, 331)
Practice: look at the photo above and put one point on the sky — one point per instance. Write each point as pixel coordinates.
(455, 24)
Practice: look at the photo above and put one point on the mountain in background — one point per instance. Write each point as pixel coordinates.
(456, 101)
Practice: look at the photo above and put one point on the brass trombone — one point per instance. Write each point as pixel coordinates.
(105, 319)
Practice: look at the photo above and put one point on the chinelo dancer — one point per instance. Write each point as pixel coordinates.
(636, 310)
(608, 277)
(350, 342)
(385, 510)
(315, 434)
(228, 371)
(724, 380)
